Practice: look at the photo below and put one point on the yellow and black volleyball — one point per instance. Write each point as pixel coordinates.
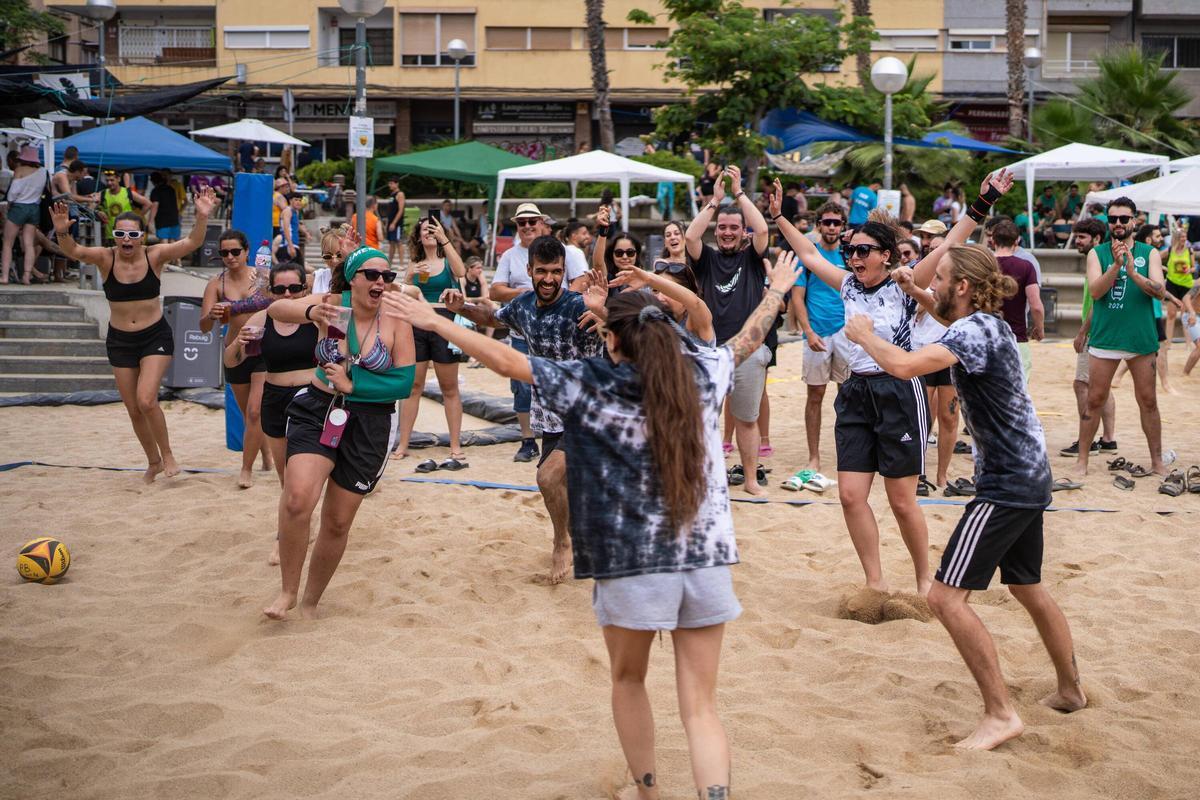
(44, 560)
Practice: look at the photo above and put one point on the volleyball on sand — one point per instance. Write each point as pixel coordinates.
(43, 560)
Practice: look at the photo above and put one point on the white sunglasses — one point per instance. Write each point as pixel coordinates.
(117, 234)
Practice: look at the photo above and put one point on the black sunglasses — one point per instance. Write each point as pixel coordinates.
(832, 222)
(1120, 219)
(373, 275)
(623, 253)
(673, 267)
(527, 221)
(233, 251)
(860, 250)
(294, 288)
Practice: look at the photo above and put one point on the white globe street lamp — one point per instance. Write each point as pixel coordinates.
(888, 75)
(101, 11)
(360, 10)
(1033, 60)
(457, 50)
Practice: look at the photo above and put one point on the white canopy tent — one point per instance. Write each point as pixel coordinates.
(1191, 162)
(1177, 193)
(1081, 162)
(250, 130)
(597, 166)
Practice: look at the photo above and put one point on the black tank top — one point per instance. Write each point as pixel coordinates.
(287, 353)
(473, 288)
(147, 288)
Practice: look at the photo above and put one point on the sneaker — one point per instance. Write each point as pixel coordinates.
(1107, 447)
(528, 452)
(1073, 450)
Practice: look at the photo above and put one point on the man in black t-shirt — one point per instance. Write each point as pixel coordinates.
(732, 280)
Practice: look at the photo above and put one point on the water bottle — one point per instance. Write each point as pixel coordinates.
(262, 259)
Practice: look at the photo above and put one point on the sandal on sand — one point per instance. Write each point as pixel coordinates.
(925, 487)
(1138, 471)
(726, 447)
(797, 481)
(1118, 464)
(428, 465)
(1063, 484)
(1123, 483)
(961, 448)
(1173, 484)
(736, 476)
(765, 451)
(454, 463)
(959, 487)
(819, 483)
(1192, 479)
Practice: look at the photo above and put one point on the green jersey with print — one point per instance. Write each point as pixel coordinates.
(1123, 317)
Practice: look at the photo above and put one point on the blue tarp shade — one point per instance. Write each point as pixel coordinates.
(139, 143)
(795, 129)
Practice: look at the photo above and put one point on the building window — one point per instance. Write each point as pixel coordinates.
(634, 38)
(774, 14)
(974, 43)
(1071, 51)
(1182, 52)
(424, 38)
(278, 37)
(906, 41)
(379, 47)
(528, 38)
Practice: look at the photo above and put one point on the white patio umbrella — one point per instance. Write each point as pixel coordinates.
(250, 130)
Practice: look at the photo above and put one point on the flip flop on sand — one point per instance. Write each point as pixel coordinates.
(1123, 483)
(819, 483)
(797, 481)
(1117, 464)
(428, 465)
(1064, 484)
(1138, 471)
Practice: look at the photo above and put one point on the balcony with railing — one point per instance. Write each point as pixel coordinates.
(1069, 68)
(142, 45)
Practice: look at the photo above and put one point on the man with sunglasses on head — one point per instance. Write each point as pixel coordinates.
(1124, 278)
(547, 320)
(512, 280)
(821, 314)
(732, 281)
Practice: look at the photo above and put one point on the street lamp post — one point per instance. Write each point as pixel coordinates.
(360, 10)
(457, 50)
(888, 75)
(1033, 60)
(101, 11)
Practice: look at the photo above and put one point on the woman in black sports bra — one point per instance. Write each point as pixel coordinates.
(231, 298)
(287, 353)
(139, 342)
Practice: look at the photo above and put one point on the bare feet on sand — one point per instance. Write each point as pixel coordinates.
(560, 564)
(754, 488)
(152, 471)
(1067, 700)
(308, 611)
(634, 792)
(170, 468)
(993, 732)
(284, 603)
(923, 587)
(245, 479)
(273, 559)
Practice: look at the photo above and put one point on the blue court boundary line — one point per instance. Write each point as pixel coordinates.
(514, 487)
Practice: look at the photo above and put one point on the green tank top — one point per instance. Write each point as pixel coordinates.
(1123, 317)
(113, 205)
(374, 387)
(1179, 269)
(432, 289)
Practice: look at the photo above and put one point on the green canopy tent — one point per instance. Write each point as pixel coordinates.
(472, 162)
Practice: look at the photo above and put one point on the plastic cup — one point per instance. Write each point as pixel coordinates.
(422, 276)
(254, 346)
(225, 311)
(340, 326)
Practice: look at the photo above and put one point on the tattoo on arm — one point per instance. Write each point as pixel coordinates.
(752, 334)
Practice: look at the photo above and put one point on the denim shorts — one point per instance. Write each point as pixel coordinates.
(168, 231)
(664, 601)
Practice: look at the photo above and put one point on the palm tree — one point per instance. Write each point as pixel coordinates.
(862, 60)
(595, 35)
(1130, 104)
(1014, 14)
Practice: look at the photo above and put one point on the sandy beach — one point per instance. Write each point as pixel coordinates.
(445, 667)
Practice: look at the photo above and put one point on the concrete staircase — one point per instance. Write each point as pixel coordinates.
(48, 345)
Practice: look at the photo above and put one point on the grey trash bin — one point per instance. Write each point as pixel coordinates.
(654, 248)
(197, 361)
(207, 255)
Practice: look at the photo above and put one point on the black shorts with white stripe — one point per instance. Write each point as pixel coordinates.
(882, 424)
(990, 536)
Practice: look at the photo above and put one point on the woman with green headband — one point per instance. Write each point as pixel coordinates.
(339, 425)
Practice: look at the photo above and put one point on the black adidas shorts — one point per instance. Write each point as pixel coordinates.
(882, 424)
(360, 457)
(990, 536)
(275, 402)
(128, 348)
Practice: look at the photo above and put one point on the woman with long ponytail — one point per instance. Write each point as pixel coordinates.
(649, 501)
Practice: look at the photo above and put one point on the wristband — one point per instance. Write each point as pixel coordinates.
(603, 232)
(990, 195)
(739, 195)
(710, 205)
(977, 213)
(777, 216)
(777, 293)
(308, 312)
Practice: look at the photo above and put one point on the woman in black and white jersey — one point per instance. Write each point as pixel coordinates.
(883, 421)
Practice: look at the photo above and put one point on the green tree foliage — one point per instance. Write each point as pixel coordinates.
(20, 25)
(1131, 104)
(737, 66)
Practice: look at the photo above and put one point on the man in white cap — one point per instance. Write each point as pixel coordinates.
(512, 280)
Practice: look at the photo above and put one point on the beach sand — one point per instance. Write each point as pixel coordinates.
(446, 667)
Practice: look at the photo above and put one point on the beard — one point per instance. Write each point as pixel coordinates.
(944, 307)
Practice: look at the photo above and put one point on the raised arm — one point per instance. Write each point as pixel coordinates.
(782, 277)
(754, 218)
(699, 315)
(483, 315)
(902, 364)
(318, 308)
(904, 279)
(494, 355)
(603, 217)
(806, 251)
(693, 237)
(457, 269)
(160, 254)
(61, 217)
(994, 187)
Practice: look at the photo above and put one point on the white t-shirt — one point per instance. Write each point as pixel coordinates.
(889, 308)
(925, 330)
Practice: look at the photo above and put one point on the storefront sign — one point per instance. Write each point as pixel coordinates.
(525, 112)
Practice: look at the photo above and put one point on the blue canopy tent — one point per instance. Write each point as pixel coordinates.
(139, 143)
(794, 129)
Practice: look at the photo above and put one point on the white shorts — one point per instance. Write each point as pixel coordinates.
(831, 365)
(749, 381)
(1083, 367)
(1111, 355)
(1193, 332)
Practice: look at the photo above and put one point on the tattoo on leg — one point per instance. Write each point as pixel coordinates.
(646, 780)
(714, 793)
(953, 404)
(1086, 416)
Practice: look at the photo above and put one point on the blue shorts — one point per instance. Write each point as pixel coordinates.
(522, 392)
(395, 234)
(168, 231)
